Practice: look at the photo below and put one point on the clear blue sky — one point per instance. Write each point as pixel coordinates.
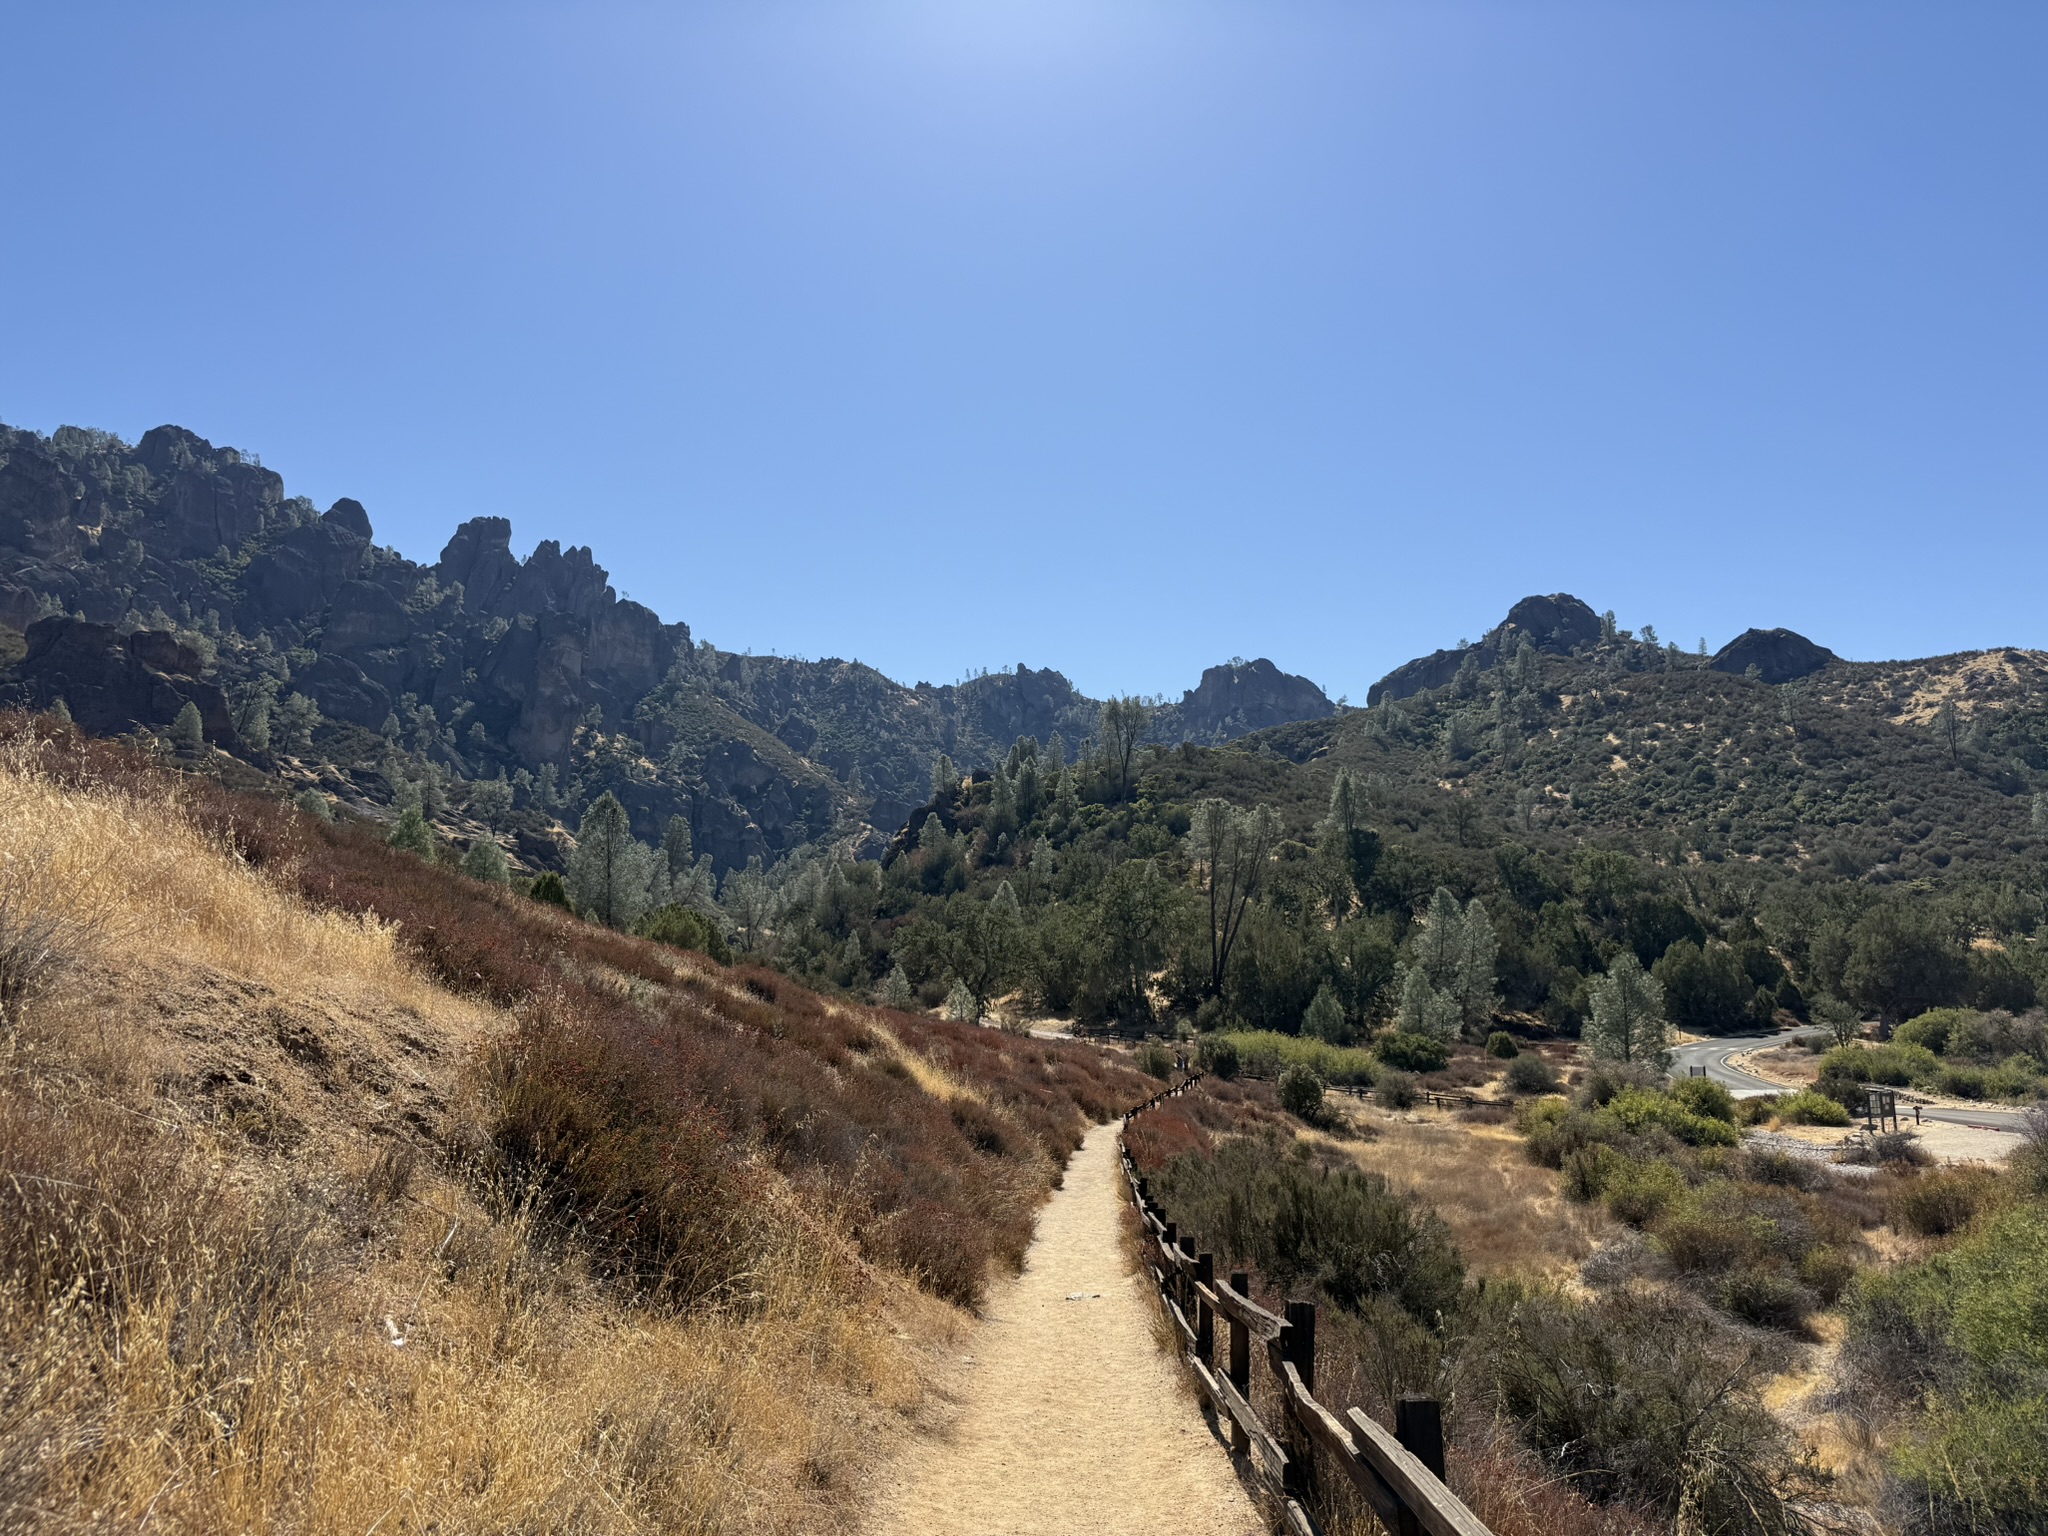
(1117, 337)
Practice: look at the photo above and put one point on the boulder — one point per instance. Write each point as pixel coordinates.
(1779, 655)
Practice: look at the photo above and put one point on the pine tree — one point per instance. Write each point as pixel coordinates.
(61, 713)
(313, 803)
(676, 850)
(296, 720)
(945, 780)
(1426, 1011)
(485, 861)
(608, 870)
(1325, 1019)
(1440, 945)
(960, 1004)
(412, 834)
(1628, 1015)
(1478, 950)
(895, 990)
(188, 731)
(1056, 751)
(1610, 631)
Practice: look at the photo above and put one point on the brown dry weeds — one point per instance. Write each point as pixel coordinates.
(238, 1292)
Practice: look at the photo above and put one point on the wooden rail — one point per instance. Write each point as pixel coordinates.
(1399, 1475)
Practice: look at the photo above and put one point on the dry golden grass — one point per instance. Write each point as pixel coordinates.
(227, 1306)
(1507, 1215)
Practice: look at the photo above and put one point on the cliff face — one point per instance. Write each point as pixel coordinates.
(1779, 655)
(483, 662)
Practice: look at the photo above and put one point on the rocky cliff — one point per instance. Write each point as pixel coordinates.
(175, 571)
(1557, 624)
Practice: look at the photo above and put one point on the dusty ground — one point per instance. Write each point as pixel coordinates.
(1506, 1214)
(1070, 1420)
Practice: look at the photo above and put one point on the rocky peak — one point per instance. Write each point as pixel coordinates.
(1557, 624)
(1239, 697)
(1779, 655)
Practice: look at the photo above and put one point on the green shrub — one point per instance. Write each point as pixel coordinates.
(1502, 1044)
(685, 928)
(1637, 1192)
(549, 889)
(1301, 1093)
(1639, 1109)
(1759, 1107)
(1931, 1030)
(1894, 1065)
(1808, 1108)
(1265, 1053)
(1218, 1054)
(1962, 1082)
(1155, 1061)
(2015, 1079)
(1704, 1097)
(1712, 1229)
(1963, 1338)
(1394, 1090)
(1827, 1271)
(1412, 1053)
(1531, 1074)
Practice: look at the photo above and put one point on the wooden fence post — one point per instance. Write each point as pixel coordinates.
(1419, 1426)
(1298, 1348)
(1205, 1315)
(1240, 1361)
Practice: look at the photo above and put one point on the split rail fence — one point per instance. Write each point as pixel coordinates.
(1398, 1475)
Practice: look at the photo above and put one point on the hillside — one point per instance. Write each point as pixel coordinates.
(310, 650)
(347, 1193)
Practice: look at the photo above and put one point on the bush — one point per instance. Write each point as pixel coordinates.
(1808, 1108)
(1412, 1053)
(1644, 1397)
(2015, 1079)
(1892, 1065)
(1962, 1082)
(549, 889)
(1639, 1109)
(1345, 1231)
(1218, 1054)
(1936, 1204)
(1265, 1053)
(1394, 1090)
(685, 928)
(1301, 1093)
(1637, 1192)
(1502, 1044)
(1705, 1097)
(1766, 1297)
(1155, 1061)
(1531, 1074)
(1931, 1030)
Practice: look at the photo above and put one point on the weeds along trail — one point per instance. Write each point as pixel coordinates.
(1071, 1418)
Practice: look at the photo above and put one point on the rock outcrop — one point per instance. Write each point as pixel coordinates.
(1238, 698)
(1779, 655)
(1557, 624)
(113, 683)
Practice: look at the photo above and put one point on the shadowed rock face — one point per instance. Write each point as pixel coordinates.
(1234, 700)
(1557, 624)
(113, 684)
(1779, 655)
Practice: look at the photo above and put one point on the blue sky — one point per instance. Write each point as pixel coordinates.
(1117, 337)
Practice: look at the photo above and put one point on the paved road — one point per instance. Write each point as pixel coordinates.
(1714, 1054)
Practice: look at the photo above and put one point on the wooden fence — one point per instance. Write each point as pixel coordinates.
(1398, 1475)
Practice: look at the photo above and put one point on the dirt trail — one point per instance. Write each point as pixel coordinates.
(1071, 1420)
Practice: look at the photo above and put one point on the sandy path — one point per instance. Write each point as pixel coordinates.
(1071, 1420)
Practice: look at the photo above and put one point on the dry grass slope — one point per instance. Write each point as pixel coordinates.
(270, 1260)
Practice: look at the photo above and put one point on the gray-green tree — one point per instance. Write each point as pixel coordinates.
(1628, 1015)
(313, 803)
(1325, 1019)
(1478, 953)
(945, 780)
(748, 901)
(412, 834)
(608, 869)
(895, 990)
(485, 861)
(676, 848)
(1426, 1011)
(188, 731)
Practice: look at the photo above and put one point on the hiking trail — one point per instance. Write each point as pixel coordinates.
(1071, 1418)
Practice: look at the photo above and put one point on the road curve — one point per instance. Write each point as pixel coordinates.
(1713, 1056)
